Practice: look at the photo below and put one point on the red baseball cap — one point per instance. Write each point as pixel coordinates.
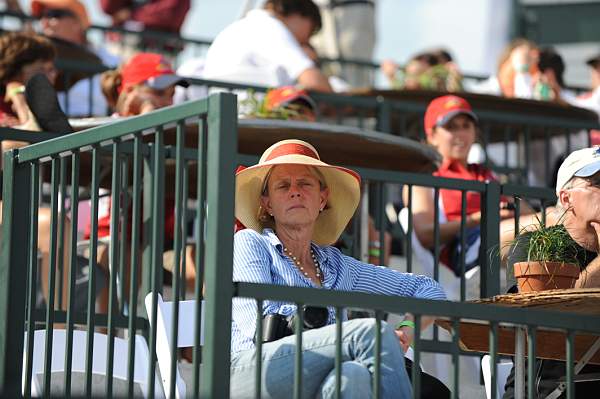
(441, 109)
(285, 95)
(150, 69)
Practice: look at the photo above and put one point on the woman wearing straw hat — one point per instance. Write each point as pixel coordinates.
(294, 207)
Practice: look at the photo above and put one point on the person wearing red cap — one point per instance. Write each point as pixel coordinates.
(451, 127)
(295, 101)
(145, 83)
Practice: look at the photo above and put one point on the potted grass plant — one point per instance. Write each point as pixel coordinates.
(551, 258)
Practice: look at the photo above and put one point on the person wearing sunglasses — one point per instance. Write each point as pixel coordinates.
(578, 212)
(66, 23)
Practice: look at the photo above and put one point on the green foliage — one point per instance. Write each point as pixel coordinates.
(438, 77)
(547, 243)
(256, 107)
(552, 244)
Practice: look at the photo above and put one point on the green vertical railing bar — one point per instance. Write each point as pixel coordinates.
(113, 269)
(493, 339)
(490, 241)
(409, 230)
(380, 217)
(377, 366)
(416, 372)
(157, 221)
(259, 339)
(463, 248)
(177, 251)
(123, 240)
(61, 231)
(135, 246)
(531, 369)
(339, 316)
(72, 270)
(51, 274)
(91, 300)
(570, 361)
(32, 277)
(184, 218)
(298, 353)
(147, 199)
(200, 245)
(16, 208)
(222, 147)
(456, 358)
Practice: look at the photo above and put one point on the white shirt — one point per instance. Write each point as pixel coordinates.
(257, 49)
(193, 68)
(591, 101)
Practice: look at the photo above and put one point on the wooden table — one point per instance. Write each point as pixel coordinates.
(550, 344)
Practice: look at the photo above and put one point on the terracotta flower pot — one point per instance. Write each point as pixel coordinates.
(539, 276)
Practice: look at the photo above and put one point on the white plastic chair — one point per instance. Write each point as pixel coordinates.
(121, 350)
(185, 337)
(502, 373)
(448, 280)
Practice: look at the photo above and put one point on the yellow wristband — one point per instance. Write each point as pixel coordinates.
(15, 90)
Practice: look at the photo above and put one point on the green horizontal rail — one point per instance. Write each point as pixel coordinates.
(112, 131)
(395, 304)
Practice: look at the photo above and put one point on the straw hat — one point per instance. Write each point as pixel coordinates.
(343, 184)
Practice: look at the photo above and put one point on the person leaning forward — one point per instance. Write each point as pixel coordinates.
(578, 211)
(294, 207)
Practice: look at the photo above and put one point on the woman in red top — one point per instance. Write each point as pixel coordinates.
(451, 127)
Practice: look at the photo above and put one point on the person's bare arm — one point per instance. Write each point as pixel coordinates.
(313, 79)
(590, 277)
(423, 219)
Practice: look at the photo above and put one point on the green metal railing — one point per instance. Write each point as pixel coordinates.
(139, 153)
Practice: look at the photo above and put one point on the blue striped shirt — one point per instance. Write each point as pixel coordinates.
(259, 258)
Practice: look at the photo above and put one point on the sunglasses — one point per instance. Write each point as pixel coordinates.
(59, 13)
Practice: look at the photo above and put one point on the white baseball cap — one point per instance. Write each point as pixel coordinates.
(580, 163)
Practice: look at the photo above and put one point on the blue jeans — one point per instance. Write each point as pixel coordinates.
(318, 357)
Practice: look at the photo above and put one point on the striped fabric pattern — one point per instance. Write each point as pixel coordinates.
(259, 258)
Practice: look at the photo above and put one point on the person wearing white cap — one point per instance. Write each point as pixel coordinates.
(578, 212)
(294, 206)
(578, 191)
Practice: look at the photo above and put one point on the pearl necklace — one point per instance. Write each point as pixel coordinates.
(318, 272)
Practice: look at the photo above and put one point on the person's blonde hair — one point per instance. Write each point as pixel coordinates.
(110, 81)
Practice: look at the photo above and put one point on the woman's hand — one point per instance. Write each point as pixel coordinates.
(138, 103)
(405, 336)
(15, 95)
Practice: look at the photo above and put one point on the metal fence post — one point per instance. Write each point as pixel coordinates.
(222, 155)
(384, 115)
(13, 271)
(489, 251)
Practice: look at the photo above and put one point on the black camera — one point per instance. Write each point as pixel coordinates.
(276, 326)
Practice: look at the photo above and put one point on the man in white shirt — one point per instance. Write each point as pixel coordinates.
(265, 47)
